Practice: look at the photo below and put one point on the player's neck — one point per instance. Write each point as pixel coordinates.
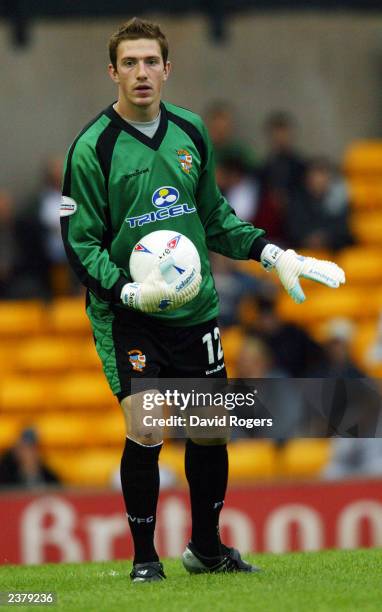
(134, 113)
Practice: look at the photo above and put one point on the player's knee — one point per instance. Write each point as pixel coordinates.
(142, 426)
(210, 441)
(149, 437)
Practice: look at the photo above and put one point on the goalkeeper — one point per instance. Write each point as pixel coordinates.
(143, 165)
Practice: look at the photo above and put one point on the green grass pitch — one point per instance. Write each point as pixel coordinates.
(317, 581)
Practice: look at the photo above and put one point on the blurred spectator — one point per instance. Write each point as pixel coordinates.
(220, 121)
(337, 362)
(354, 457)
(257, 361)
(317, 217)
(232, 286)
(270, 216)
(284, 167)
(374, 354)
(279, 400)
(294, 350)
(281, 175)
(238, 183)
(49, 201)
(22, 465)
(7, 245)
(41, 251)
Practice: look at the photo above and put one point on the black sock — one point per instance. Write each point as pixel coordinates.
(140, 486)
(207, 475)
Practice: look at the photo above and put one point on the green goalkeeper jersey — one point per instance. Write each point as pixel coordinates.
(121, 185)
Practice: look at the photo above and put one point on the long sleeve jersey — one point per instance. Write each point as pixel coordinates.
(120, 185)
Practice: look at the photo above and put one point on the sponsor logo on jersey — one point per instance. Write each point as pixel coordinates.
(137, 360)
(160, 215)
(68, 206)
(136, 172)
(185, 160)
(165, 196)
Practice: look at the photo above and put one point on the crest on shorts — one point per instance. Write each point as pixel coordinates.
(137, 360)
(185, 160)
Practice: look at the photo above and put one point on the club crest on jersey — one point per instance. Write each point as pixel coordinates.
(185, 160)
(165, 196)
(141, 248)
(137, 360)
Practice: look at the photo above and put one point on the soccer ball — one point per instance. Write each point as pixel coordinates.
(156, 247)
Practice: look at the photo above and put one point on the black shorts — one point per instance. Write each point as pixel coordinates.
(146, 348)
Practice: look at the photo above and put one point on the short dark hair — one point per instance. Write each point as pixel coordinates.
(320, 163)
(134, 29)
(279, 120)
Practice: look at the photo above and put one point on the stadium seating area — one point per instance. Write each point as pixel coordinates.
(51, 378)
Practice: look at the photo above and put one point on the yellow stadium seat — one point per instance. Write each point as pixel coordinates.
(367, 227)
(362, 265)
(249, 459)
(93, 468)
(68, 316)
(109, 429)
(55, 355)
(22, 394)
(83, 391)
(10, 429)
(363, 157)
(304, 458)
(21, 318)
(376, 370)
(325, 303)
(7, 356)
(366, 193)
(87, 356)
(231, 338)
(47, 355)
(57, 430)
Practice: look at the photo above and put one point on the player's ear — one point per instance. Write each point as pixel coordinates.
(113, 73)
(167, 70)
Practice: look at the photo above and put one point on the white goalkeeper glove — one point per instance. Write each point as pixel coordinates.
(290, 266)
(156, 294)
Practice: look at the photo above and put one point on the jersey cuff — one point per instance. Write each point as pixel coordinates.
(117, 288)
(257, 247)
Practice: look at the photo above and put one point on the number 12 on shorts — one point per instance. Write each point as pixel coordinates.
(207, 339)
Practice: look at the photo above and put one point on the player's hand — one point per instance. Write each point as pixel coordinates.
(290, 266)
(157, 294)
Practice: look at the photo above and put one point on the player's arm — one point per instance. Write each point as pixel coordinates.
(84, 224)
(86, 232)
(237, 239)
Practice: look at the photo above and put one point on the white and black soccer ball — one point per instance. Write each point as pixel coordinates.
(156, 247)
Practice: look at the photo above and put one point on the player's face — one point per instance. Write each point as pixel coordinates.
(140, 74)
